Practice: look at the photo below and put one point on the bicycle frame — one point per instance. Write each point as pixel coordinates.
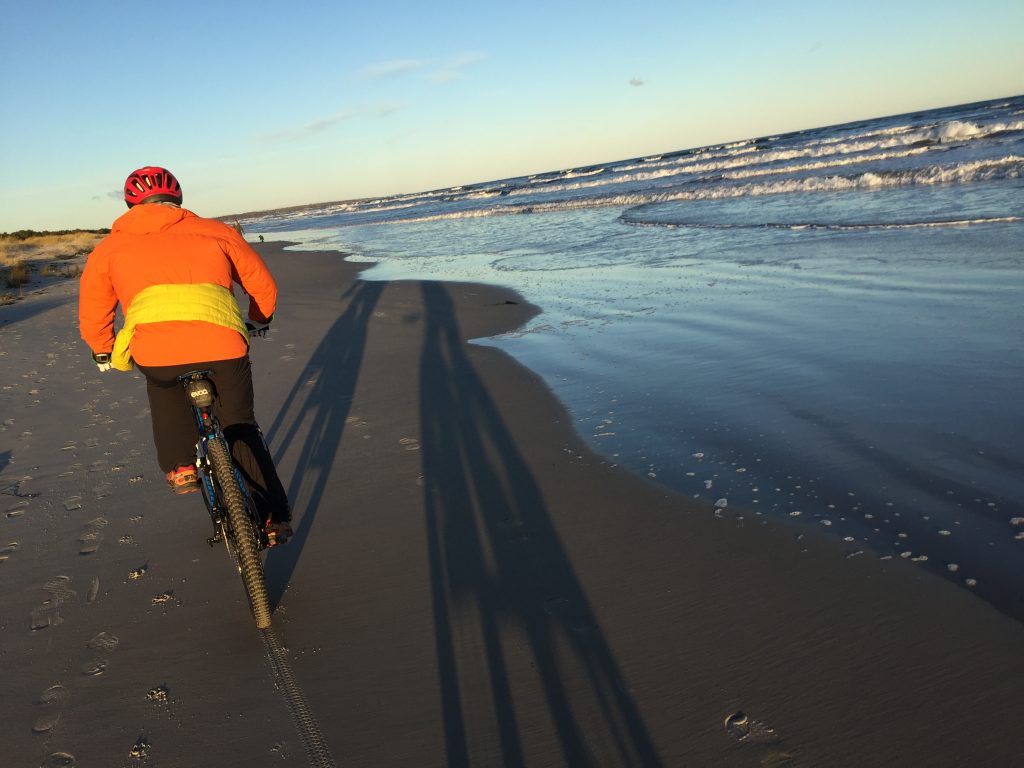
(201, 392)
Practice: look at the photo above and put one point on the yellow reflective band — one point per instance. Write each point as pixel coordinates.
(206, 302)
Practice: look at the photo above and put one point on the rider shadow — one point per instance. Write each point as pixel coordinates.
(496, 561)
(324, 405)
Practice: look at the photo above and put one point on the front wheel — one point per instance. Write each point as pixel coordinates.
(244, 538)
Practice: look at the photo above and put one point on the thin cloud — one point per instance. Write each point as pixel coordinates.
(386, 109)
(286, 134)
(443, 76)
(636, 82)
(439, 72)
(380, 110)
(326, 122)
(454, 69)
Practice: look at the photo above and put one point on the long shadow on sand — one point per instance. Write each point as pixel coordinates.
(324, 406)
(29, 307)
(496, 562)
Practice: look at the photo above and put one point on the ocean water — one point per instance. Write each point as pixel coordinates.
(823, 328)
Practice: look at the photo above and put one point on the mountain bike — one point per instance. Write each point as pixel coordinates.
(236, 521)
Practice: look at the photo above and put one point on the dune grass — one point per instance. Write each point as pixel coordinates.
(46, 246)
(47, 254)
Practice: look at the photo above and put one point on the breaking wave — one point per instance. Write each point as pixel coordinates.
(1010, 167)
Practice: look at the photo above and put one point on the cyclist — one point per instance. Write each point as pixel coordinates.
(172, 273)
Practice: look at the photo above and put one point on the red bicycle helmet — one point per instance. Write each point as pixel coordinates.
(150, 181)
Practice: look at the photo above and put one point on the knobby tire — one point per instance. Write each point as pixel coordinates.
(245, 544)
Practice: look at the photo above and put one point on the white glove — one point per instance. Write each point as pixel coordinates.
(102, 360)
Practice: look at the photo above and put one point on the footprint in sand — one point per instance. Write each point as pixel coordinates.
(279, 750)
(48, 613)
(738, 725)
(17, 509)
(410, 443)
(94, 590)
(102, 647)
(71, 503)
(761, 737)
(7, 551)
(92, 535)
(21, 489)
(141, 748)
(358, 423)
(52, 702)
(161, 694)
(68, 473)
(58, 760)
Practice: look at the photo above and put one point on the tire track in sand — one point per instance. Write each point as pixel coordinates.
(305, 721)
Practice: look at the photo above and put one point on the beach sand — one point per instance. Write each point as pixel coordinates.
(468, 583)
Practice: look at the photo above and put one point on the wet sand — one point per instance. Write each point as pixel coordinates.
(468, 585)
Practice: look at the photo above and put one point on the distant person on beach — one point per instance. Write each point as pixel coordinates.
(172, 273)
(261, 238)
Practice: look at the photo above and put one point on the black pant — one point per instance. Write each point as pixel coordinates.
(175, 432)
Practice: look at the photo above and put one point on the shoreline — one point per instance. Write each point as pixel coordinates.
(469, 583)
(881, 502)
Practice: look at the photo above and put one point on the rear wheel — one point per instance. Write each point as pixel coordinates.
(244, 535)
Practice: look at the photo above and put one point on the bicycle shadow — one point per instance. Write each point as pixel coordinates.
(496, 560)
(324, 405)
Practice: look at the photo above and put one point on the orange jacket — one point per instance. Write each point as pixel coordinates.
(155, 244)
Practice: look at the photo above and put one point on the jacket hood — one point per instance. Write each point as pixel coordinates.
(146, 218)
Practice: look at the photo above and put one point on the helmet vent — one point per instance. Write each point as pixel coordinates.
(149, 181)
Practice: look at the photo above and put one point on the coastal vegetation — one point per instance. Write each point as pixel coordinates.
(26, 254)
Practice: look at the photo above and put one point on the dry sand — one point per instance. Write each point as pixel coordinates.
(468, 585)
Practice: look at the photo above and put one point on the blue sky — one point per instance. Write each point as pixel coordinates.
(259, 105)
